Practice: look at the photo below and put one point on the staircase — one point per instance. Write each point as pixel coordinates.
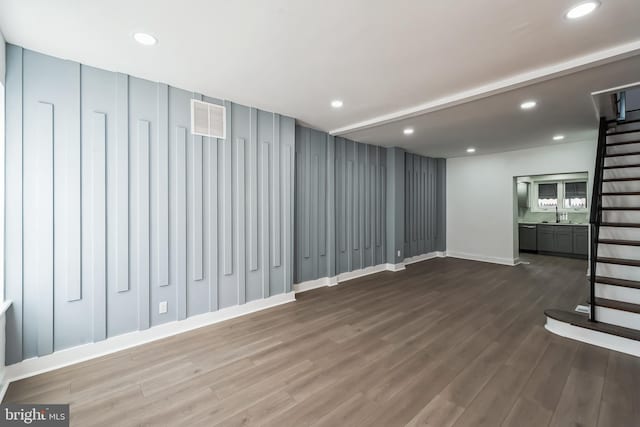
(614, 318)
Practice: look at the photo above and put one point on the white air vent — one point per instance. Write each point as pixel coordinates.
(208, 119)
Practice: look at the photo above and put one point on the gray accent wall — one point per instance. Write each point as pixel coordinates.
(350, 206)
(112, 206)
(424, 205)
(395, 205)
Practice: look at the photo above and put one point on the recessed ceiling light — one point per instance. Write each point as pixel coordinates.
(408, 131)
(145, 39)
(582, 9)
(336, 103)
(558, 137)
(471, 150)
(527, 105)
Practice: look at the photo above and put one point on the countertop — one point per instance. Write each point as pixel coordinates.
(551, 223)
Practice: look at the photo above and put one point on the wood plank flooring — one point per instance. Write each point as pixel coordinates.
(447, 342)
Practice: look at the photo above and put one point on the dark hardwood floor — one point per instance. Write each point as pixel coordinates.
(447, 342)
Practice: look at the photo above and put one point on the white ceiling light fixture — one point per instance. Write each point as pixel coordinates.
(471, 150)
(582, 9)
(408, 131)
(337, 103)
(558, 137)
(145, 39)
(528, 105)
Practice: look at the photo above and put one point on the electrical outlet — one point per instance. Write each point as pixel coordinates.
(162, 308)
(398, 252)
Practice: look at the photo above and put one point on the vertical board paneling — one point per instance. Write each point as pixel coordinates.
(307, 195)
(265, 191)
(253, 190)
(39, 237)
(321, 180)
(102, 162)
(212, 177)
(240, 218)
(423, 203)
(350, 215)
(330, 212)
(227, 207)
(142, 221)
(180, 218)
(275, 203)
(38, 231)
(288, 216)
(197, 234)
(97, 224)
(14, 191)
(339, 205)
(120, 167)
(161, 187)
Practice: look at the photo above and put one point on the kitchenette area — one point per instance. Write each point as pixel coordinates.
(552, 215)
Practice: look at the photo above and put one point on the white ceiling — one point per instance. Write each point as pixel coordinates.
(384, 59)
(496, 123)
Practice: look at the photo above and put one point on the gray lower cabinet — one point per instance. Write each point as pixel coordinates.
(546, 238)
(581, 240)
(563, 239)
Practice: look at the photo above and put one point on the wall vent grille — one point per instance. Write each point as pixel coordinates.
(208, 119)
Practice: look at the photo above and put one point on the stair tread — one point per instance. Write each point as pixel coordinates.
(623, 132)
(619, 242)
(618, 305)
(582, 321)
(632, 153)
(619, 261)
(621, 208)
(613, 144)
(621, 193)
(621, 179)
(634, 165)
(618, 282)
(620, 224)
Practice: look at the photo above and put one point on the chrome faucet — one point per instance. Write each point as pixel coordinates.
(557, 216)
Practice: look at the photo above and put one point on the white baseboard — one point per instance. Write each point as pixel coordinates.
(62, 358)
(312, 284)
(3, 390)
(589, 336)
(395, 267)
(349, 275)
(482, 258)
(423, 257)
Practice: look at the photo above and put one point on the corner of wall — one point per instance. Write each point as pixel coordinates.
(2, 58)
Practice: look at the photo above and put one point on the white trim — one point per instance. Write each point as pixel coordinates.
(3, 390)
(4, 307)
(423, 257)
(613, 316)
(349, 275)
(311, 284)
(601, 339)
(519, 80)
(395, 267)
(483, 258)
(62, 358)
